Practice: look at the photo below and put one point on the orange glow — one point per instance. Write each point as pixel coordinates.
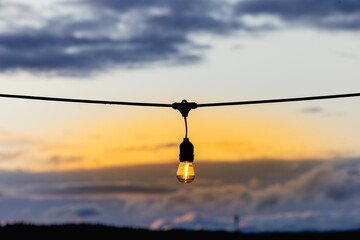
(156, 140)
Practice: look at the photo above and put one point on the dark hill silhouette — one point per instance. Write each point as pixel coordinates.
(88, 230)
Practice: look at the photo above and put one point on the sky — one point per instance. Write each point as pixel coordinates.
(280, 167)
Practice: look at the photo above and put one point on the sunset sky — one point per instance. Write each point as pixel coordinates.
(72, 162)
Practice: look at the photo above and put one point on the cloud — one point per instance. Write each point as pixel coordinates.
(71, 212)
(346, 55)
(324, 14)
(318, 200)
(300, 221)
(56, 159)
(146, 147)
(87, 212)
(177, 17)
(190, 220)
(104, 190)
(70, 55)
(306, 200)
(154, 177)
(313, 110)
(124, 34)
(166, 145)
(286, 196)
(323, 183)
(86, 37)
(14, 146)
(289, 221)
(9, 138)
(11, 155)
(259, 174)
(320, 111)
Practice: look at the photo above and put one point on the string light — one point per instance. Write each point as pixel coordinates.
(185, 172)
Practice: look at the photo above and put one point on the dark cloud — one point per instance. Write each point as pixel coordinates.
(106, 190)
(320, 111)
(134, 34)
(146, 147)
(324, 182)
(67, 46)
(87, 212)
(326, 14)
(268, 201)
(263, 173)
(73, 211)
(56, 159)
(313, 110)
(122, 5)
(69, 55)
(176, 17)
(166, 145)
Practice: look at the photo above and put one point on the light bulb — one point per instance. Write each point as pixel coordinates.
(185, 172)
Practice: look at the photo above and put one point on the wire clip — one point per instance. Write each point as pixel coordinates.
(184, 107)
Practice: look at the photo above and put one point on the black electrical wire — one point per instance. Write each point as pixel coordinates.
(189, 105)
(279, 100)
(55, 99)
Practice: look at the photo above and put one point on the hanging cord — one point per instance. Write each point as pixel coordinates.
(186, 128)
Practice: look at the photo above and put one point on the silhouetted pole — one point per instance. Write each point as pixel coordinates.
(236, 219)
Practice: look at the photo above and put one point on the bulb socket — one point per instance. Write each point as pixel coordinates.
(186, 151)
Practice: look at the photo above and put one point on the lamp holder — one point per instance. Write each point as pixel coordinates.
(186, 151)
